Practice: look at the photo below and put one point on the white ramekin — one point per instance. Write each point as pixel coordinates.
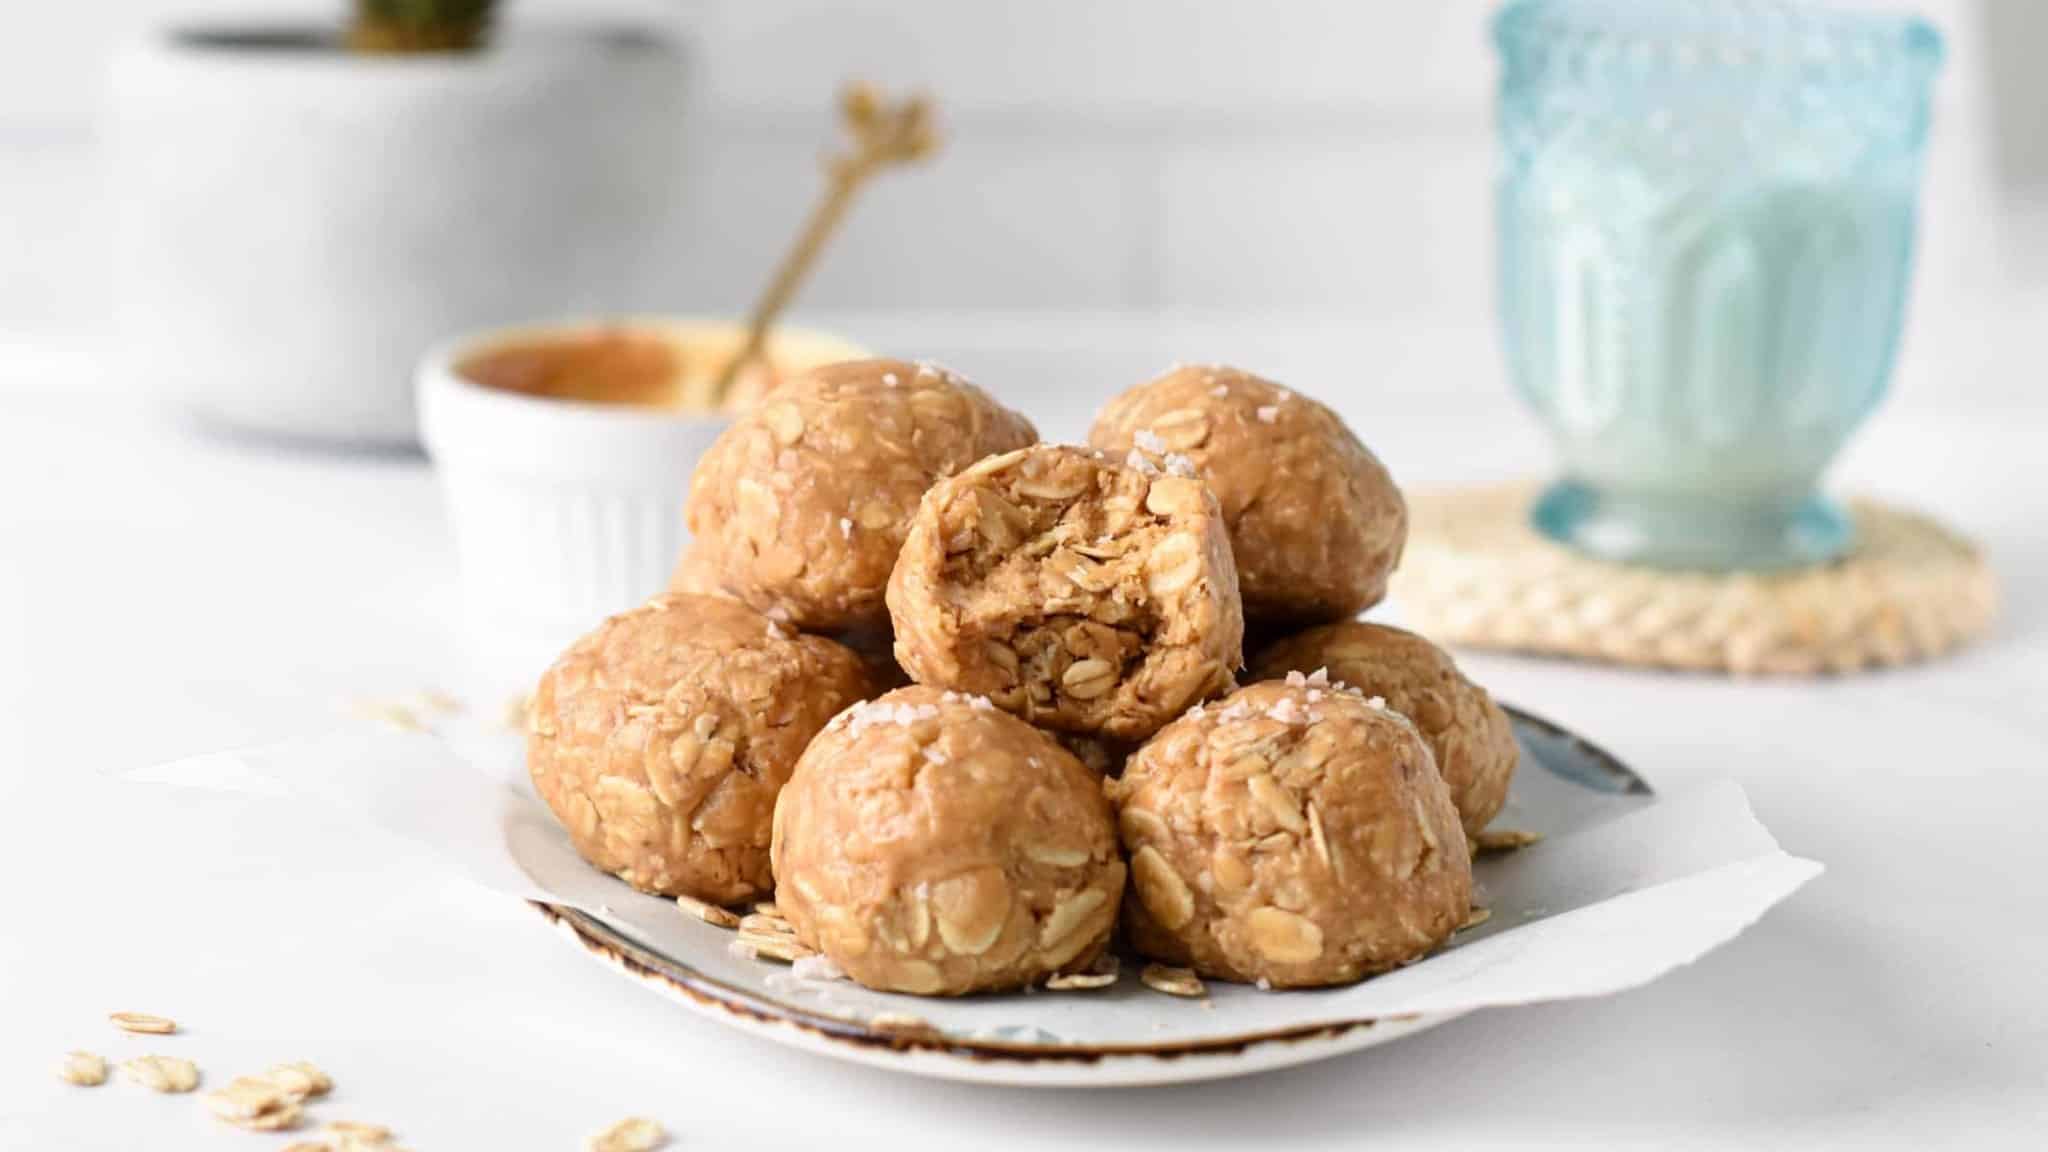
(565, 512)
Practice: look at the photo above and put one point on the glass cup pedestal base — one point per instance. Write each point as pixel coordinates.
(1704, 533)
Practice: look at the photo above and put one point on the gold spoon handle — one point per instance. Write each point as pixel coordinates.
(789, 274)
(883, 134)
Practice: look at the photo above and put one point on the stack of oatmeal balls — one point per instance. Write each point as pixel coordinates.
(975, 710)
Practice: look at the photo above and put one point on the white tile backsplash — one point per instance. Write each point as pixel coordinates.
(1289, 156)
(1011, 215)
(1377, 217)
(1173, 54)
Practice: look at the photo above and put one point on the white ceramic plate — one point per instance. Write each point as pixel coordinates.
(1121, 1035)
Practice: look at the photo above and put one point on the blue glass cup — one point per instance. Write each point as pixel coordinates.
(1706, 215)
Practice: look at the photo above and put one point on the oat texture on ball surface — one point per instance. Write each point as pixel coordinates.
(931, 843)
(1315, 520)
(1471, 738)
(1293, 834)
(802, 504)
(661, 740)
(696, 571)
(1085, 593)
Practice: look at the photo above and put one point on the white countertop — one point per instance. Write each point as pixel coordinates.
(164, 592)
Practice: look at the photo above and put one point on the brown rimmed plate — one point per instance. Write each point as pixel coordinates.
(1125, 1034)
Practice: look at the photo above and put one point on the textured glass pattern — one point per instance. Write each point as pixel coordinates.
(1706, 230)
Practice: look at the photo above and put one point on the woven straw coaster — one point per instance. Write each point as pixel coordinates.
(1476, 573)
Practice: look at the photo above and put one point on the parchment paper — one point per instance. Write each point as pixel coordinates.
(1623, 889)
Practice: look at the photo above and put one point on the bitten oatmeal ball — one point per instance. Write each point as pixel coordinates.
(1294, 834)
(1078, 592)
(1316, 523)
(932, 843)
(1469, 735)
(661, 739)
(804, 501)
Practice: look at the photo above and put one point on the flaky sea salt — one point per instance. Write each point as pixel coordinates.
(889, 379)
(977, 703)
(845, 528)
(1320, 678)
(1179, 465)
(775, 631)
(1284, 710)
(1135, 460)
(1295, 679)
(1268, 413)
(1149, 440)
(862, 717)
(1219, 391)
(855, 719)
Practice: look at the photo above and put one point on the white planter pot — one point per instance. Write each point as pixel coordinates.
(295, 226)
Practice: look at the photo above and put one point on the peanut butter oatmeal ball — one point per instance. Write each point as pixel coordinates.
(1078, 592)
(696, 572)
(661, 739)
(804, 501)
(1294, 834)
(934, 844)
(1316, 523)
(1469, 735)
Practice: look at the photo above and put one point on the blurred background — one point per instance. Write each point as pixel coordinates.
(1304, 187)
(1307, 157)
